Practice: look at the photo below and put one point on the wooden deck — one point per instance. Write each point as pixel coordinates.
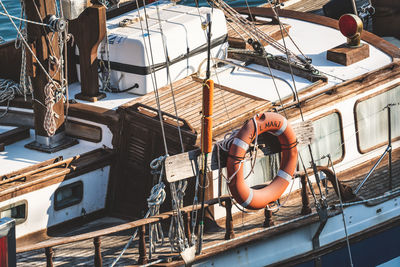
(188, 98)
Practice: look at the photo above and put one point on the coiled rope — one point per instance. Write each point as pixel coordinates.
(50, 123)
(8, 90)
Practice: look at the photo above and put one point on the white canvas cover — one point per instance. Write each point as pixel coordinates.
(133, 57)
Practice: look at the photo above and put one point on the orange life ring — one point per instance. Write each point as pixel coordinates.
(275, 124)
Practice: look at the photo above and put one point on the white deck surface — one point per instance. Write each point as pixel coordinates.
(16, 156)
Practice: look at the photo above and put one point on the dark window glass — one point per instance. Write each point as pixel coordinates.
(16, 211)
(68, 195)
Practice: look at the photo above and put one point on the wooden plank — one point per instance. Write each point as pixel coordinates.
(14, 135)
(35, 171)
(345, 55)
(33, 167)
(183, 166)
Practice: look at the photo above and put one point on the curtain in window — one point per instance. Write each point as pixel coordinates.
(327, 140)
(372, 119)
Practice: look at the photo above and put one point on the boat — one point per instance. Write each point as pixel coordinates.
(161, 134)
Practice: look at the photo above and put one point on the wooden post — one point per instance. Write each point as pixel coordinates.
(142, 245)
(88, 39)
(229, 233)
(49, 256)
(45, 45)
(268, 218)
(304, 196)
(188, 225)
(98, 261)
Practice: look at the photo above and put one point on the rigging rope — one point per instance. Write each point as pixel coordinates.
(24, 80)
(8, 90)
(25, 20)
(28, 47)
(255, 33)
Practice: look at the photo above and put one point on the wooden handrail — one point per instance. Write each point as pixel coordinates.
(65, 162)
(129, 225)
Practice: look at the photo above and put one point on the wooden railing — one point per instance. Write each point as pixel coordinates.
(48, 245)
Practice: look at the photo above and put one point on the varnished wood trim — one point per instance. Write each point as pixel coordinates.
(368, 37)
(345, 90)
(73, 128)
(31, 168)
(14, 135)
(94, 113)
(87, 162)
(363, 151)
(83, 131)
(17, 118)
(231, 90)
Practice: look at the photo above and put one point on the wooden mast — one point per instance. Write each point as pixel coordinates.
(44, 44)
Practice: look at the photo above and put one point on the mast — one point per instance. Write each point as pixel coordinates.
(45, 72)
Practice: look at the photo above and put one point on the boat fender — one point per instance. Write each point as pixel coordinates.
(277, 125)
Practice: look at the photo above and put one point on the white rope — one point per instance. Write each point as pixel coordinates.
(156, 235)
(24, 79)
(226, 144)
(105, 74)
(8, 90)
(254, 32)
(275, 209)
(50, 123)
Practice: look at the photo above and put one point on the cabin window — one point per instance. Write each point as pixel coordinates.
(372, 119)
(265, 169)
(68, 195)
(328, 139)
(16, 211)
